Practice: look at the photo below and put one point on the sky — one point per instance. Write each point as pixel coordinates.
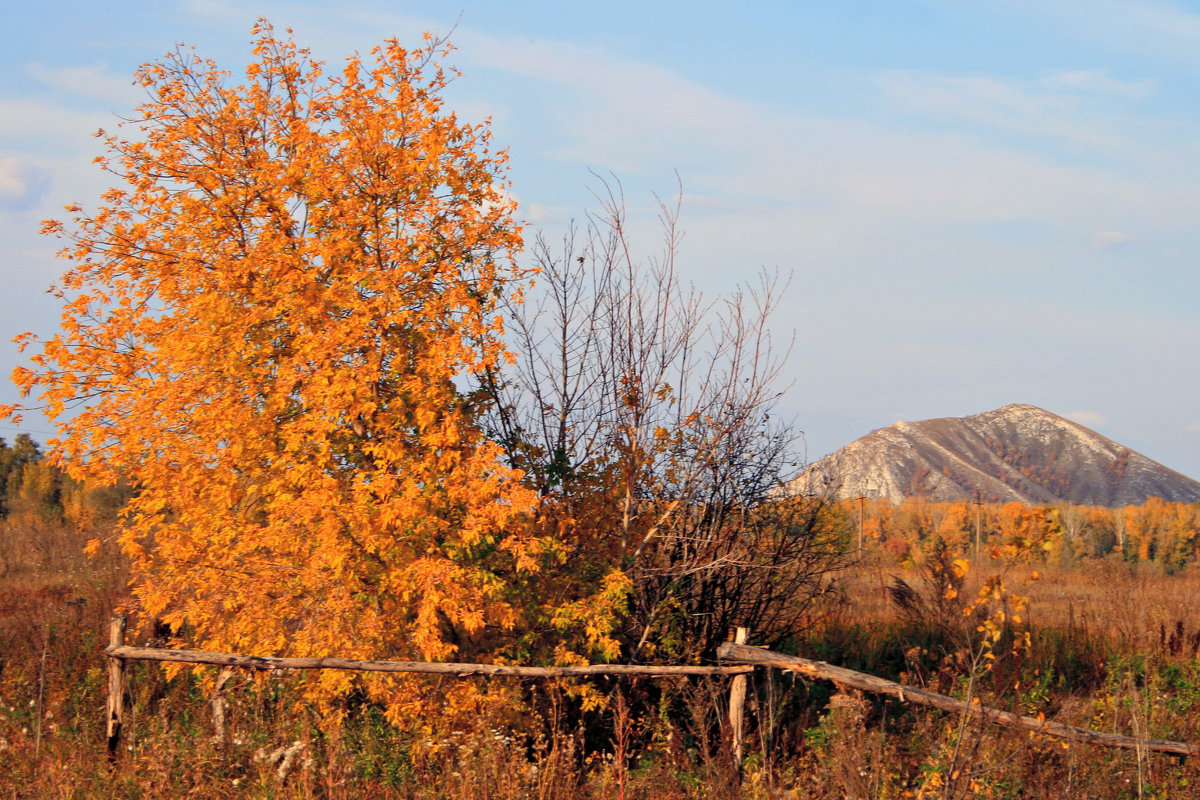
(977, 203)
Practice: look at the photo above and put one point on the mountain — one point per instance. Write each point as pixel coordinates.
(1018, 452)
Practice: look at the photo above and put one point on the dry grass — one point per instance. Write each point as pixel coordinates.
(1111, 648)
(1135, 607)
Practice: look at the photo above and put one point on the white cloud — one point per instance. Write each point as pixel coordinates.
(979, 97)
(21, 184)
(46, 125)
(1097, 81)
(1112, 240)
(94, 81)
(1091, 419)
(634, 117)
(620, 114)
(1057, 113)
(12, 184)
(1146, 28)
(637, 118)
(1160, 24)
(1194, 427)
(538, 214)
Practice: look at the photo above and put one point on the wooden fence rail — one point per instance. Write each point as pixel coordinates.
(119, 653)
(746, 654)
(744, 659)
(425, 667)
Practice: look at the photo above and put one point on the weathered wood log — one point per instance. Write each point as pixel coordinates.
(219, 705)
(909, 694)
(114, 706)
(435, 668)
(737, 706)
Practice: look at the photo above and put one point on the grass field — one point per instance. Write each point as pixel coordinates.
(1109, 647)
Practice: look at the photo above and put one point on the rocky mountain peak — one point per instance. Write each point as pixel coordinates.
(1017, 452)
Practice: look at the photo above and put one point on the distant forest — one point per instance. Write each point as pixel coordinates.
(1159, 532)
(32, 489)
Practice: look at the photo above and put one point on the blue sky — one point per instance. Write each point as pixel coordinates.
(979, 203)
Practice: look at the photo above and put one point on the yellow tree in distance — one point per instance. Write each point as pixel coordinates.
(261, 331)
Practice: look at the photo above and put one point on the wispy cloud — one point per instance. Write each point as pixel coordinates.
(1153, 30)
(975, 96)
(630, 116)
(1092, 419)
(1098, 81)
(614, 112)
(1112, 240)
(1067, 108)
(21, 185)
(11, 183)
(1160, 24)
(94, 81)
(41, 124)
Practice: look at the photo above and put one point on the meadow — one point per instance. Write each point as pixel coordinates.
(1112, 645)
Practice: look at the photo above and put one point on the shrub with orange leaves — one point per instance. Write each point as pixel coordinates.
(262, 328)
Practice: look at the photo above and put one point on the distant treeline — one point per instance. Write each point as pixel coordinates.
(1156, 531)
(32, 488)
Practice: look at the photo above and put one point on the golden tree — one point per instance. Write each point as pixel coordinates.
(262, 330)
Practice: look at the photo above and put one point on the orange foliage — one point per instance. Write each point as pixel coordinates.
(1161, 531)
(1157, 531)
(957, 525)
(262, 329)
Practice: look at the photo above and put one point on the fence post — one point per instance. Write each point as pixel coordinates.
(219, 704)
(115, 706)
(737, 706)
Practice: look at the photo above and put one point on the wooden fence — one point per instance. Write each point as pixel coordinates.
(740, 657)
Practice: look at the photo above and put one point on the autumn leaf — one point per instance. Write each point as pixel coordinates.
(262, 330)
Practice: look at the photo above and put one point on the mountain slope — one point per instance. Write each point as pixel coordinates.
(1018, 452)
